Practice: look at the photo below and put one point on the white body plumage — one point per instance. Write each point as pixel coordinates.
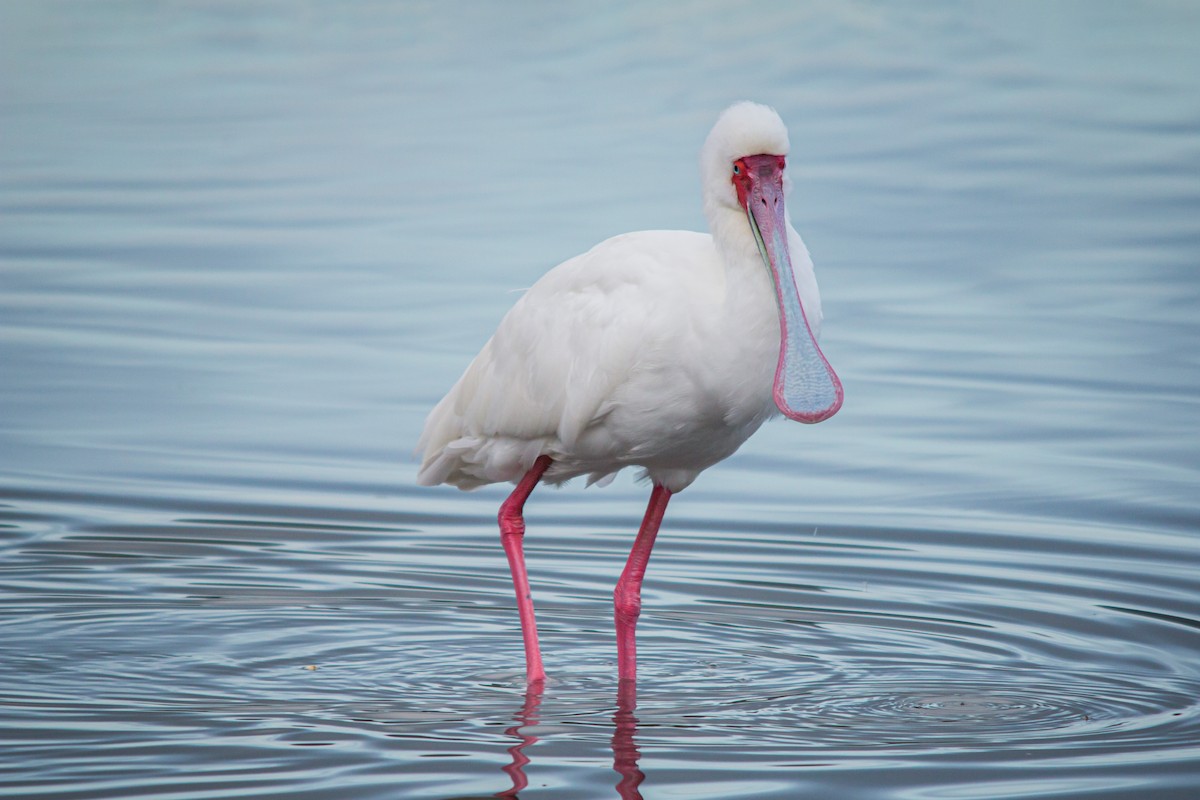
(657, 349)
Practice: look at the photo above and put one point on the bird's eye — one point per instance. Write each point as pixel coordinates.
(737, 169)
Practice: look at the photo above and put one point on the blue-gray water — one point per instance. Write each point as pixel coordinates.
(245, 247)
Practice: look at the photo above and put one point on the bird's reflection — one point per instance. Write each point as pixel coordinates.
(624, 745)
(527, 715)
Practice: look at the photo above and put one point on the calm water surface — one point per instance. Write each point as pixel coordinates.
(245, 247)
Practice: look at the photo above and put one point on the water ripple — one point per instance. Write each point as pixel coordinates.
(848, 645)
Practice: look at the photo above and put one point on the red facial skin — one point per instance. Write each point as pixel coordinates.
(750, 168)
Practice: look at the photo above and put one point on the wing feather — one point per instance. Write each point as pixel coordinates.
(557, 360)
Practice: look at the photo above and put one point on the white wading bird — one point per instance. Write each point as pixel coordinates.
(660, 349)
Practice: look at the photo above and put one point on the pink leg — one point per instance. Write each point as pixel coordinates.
(627, 598)
(512, 532)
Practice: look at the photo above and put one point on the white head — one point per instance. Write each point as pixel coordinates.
(742, 169)
(743, 129)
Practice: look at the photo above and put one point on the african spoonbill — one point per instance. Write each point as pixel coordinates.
(663, 350)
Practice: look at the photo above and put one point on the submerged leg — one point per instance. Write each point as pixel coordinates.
(512, 532)
(627, 598)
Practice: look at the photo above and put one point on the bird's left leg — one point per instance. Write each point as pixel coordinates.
(627, 597)
(512, 533)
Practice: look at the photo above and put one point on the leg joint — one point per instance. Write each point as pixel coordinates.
(512, 522)
(626, 604)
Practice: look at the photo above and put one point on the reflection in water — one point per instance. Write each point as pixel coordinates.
(526, 716)
(624, 746)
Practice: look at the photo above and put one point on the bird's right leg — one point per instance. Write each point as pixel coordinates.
(512, 532)
(627, 597)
